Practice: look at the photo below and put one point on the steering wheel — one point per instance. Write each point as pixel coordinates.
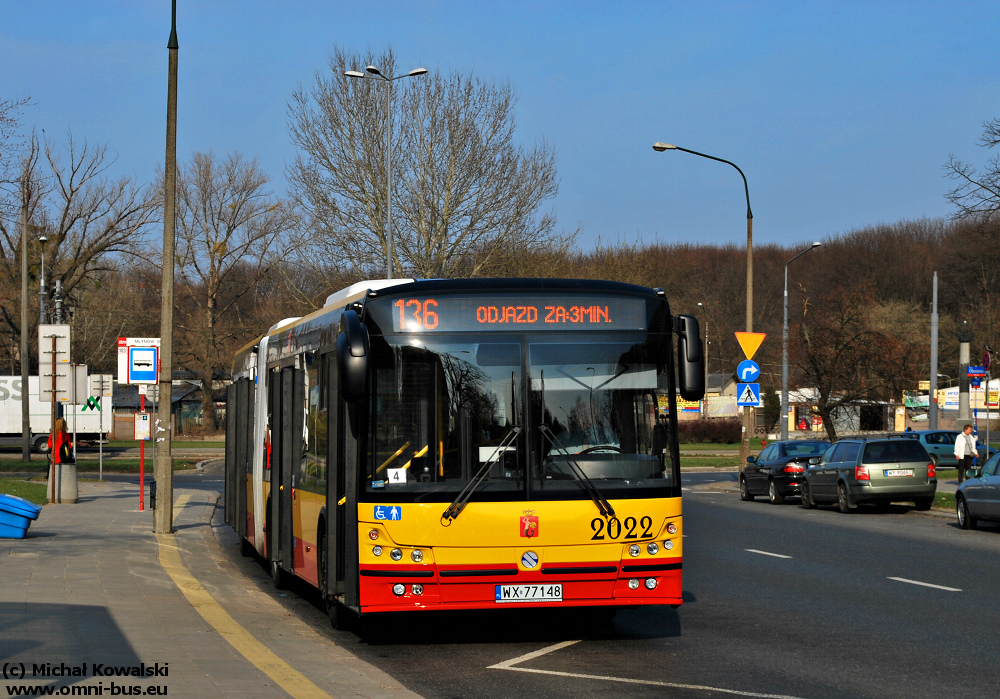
(602, 447)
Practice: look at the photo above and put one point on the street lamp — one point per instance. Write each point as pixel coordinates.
(659, 148)
(41, 293)
(784, 349)
(371, 72)
(706, 353)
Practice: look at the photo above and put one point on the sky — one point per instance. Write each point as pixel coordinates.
(841, 115)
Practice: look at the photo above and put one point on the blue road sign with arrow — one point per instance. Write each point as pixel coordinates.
(747, 371)
(749, 395)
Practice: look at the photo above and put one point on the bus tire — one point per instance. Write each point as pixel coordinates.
(278, 576)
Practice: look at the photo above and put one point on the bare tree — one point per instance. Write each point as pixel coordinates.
(89, 219)
(977, 194)
(844, 349)
(231, 234)
(10, 124)
(464, 191)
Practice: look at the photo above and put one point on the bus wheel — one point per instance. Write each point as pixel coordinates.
(277, 576)
(335, 613)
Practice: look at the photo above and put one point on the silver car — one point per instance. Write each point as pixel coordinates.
(979, 497)
(879, 471)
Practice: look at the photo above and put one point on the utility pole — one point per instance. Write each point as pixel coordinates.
(964, 338)
(932, 404)
(163, 467)
(25, 414)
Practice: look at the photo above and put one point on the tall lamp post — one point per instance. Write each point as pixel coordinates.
(372, 72)
(41, 290)
(163, 462)
(747, 423)
(704, 400)
(784, 349)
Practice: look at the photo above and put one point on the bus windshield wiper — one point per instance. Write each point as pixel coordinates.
(459, 503)
(603, 506)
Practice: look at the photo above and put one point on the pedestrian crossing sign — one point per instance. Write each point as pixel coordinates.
(749, 395)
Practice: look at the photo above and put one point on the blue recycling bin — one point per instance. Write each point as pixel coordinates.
(16, 515)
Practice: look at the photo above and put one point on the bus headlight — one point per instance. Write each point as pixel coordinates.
(650, 583)
(395, 554)
(671, 528)
(377, 550)
(653, 548)
(633, 584)
(373, 534)
(633, 550)
(417, 589)
(416, 555)
(399, 589)
(668, 544)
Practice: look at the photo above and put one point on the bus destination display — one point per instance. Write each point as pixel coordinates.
(518, 313)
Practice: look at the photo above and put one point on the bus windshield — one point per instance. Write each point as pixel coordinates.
(445, 406)
(598, 404)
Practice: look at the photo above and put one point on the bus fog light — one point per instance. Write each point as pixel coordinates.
(650, 583)
(633, 584)
(653, 548)
(395, 554)
(668, 545)
(671, 528)
(373, 534)
(416, 555)
(399, 589)
(417, 589)
(377, 550)
(633, 550)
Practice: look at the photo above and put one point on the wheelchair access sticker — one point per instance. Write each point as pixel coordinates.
(388, 512)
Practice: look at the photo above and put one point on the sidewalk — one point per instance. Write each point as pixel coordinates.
(93, 589)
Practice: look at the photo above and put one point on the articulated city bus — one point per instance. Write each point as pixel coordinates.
(467, 444)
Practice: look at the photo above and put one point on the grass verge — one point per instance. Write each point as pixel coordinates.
(693, 461)
(176, 444)
(94, 465)
(35, 492)
(710, 446)
(944, 501)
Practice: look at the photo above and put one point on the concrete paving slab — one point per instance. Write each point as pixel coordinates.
(88, 587)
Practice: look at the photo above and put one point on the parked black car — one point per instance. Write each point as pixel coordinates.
(778, 470)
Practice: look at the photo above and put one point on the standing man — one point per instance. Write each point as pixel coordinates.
(965, 451)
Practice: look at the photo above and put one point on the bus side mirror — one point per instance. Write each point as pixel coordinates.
(691, 360)
(352, 357)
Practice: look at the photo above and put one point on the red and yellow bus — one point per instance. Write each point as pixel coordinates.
(467, 444)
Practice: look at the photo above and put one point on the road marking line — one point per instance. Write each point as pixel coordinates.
(506, 664)
(936, 587)
(767, 553)
(509, 665)
(653, 683)
(287, 677)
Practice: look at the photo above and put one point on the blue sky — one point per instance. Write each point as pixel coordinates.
(840, 114)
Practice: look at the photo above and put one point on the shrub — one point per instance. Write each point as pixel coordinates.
(721, 430)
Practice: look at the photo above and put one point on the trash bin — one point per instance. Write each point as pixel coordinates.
(16, 515)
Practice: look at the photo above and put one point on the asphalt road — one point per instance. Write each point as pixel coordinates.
(825, 619)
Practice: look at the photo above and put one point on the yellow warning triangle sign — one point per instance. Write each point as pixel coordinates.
(750, 342)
